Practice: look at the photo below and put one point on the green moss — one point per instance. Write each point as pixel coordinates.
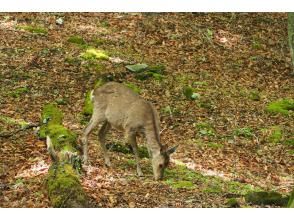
(99, 82)
(290, 142)
(276, 135)
(205, 129)
(159, 69)
(266, 198)
(244, 132)
(181, 184)
(72, 60)
(8, 120)
(133, 87)
(61, 137)
(180, 175)
(282, 106)
(76, 40)
(51, 115)
(88, 105)
(19, 91)
(92, 53)
(233, 203)
(188, 92)
(64, 188)
(34, 29)
(126, 149)
(291, 200)
(214, 145)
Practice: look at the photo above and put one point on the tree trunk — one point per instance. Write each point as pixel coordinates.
(63, 183)
(291, 35)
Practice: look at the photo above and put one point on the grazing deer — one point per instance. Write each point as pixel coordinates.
(118, 106)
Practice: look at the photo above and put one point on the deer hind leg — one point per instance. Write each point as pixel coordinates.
(101, 136)
(95, 120)
(131, 138)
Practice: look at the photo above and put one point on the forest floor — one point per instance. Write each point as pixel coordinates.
(229, 145)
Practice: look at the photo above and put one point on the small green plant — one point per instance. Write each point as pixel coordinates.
(282, 106)
(254, 95)
(205, 129)
(76, 40)
(276, 134)
(34, 29)
(19, 91)
(244, 132)
(189, 93)
(208, 34)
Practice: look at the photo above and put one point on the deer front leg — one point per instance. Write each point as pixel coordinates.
(101, 135)
(132, 141)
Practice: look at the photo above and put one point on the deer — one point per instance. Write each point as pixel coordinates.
(117, 106)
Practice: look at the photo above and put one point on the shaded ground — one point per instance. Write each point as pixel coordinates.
(236, 63)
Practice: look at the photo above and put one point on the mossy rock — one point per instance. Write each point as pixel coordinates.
(64, 188)
(266, 198)
(282, 106)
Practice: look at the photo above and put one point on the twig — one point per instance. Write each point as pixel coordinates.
(9, 134)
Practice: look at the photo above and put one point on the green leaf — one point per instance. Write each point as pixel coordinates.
(136, 68)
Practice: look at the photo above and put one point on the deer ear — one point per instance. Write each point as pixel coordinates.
(171, 150)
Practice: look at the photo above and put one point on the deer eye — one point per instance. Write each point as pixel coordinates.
(160, 165)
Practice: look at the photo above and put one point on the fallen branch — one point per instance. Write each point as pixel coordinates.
(64, 188)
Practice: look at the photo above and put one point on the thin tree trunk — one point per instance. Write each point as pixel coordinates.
(291, 35)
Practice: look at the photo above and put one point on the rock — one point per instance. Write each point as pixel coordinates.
(59, 21)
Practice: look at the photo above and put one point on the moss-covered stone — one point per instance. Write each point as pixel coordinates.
(266, 198)
(64, 188)
(282, 106)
